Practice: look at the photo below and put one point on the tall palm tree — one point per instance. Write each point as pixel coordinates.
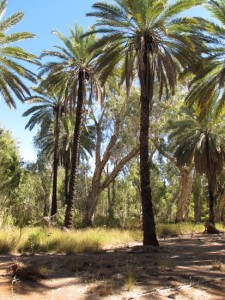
(45, 141)
(154, 43)
(49, 110)
(87, 144)
(11, 71)
(201, 141)
(73, 69)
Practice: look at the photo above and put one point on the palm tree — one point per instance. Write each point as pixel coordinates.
(87, 144)
(73, 69)
(11, 70)
(146, 34)
(201, 141)
(207, 87)
(49, 110)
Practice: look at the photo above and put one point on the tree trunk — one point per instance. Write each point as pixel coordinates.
(146, 85)
(56, 161)
(196, 197)
(97, 187)
(66, 186)
(76, 142)
(211, 204)
(47, 204)
(184, 199)
(100, 163)
(111, 201)
(221, 207)
(211, 183)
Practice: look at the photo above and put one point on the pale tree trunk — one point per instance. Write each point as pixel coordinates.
(196, 197)
(184, 199)
(98, 186)
(111, 200)
(221, 208)
(185, 184)
(170, 206)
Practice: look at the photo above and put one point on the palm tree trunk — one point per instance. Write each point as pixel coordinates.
(146, 84)
(76, 143)
(211, 204)
(211, 183)
(66, 186)
(56, 161)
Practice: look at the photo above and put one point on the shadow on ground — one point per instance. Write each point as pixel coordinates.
(185, 267)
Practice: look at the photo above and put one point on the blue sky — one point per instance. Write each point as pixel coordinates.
(41, 17)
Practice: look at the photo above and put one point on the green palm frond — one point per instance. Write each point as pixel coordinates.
(123, 25)
(12, 72)
(200, 140)
(8, 23)
(207, 87)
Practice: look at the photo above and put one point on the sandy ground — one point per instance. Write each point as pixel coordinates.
(185, 267)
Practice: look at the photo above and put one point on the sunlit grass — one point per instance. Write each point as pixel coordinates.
(130, 277)
(36, 239)
(173, 230)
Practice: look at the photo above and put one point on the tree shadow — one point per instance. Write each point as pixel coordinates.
(179, 266)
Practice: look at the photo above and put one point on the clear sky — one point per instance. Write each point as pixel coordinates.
(41, 17)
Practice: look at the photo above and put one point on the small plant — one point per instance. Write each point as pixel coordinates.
(218, 265)
(130, 277)
(165, 265)
(46, 270)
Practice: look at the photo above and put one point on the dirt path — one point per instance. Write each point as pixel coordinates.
(186, 267)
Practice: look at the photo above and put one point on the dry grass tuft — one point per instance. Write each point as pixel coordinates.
(100, 289)
(218, 265)
(174, 230)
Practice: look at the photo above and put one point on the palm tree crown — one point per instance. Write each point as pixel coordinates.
(11, 71)
(73, 68)
(133, 27)
(208, 88)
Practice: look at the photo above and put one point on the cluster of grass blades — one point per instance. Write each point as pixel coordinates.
(37, 239)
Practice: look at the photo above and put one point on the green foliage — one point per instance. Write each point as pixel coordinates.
(10, 170)
(11, 69)
(207, 87)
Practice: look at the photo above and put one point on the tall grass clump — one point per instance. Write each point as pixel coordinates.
(36, 239)
(173, 230)
(9, 239)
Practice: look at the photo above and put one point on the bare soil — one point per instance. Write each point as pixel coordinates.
(184, 267)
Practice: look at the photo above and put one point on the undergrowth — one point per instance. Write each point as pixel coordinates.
(36, 239)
